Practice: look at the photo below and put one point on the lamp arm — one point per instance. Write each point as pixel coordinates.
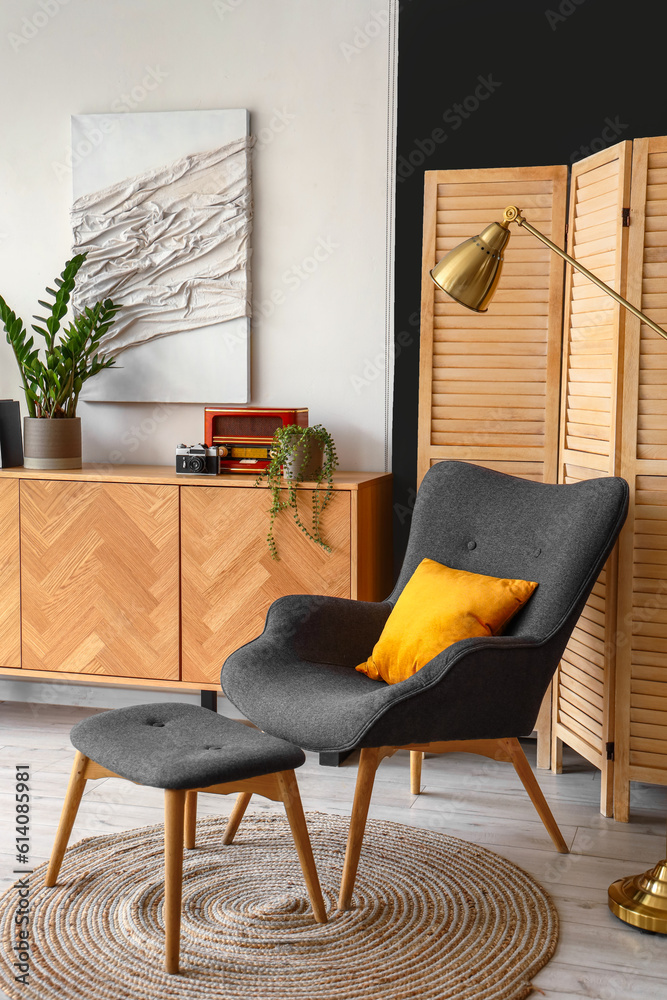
(513, 214)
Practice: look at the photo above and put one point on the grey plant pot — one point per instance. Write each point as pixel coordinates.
(52, 444)
(294, 465)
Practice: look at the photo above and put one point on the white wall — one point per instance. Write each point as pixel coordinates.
(314, 76)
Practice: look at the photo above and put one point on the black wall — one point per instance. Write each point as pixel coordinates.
(535, 83)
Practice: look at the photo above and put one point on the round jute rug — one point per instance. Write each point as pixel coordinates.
(433, 918)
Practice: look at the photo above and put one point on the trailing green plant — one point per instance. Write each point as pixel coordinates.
(52, 384)
(286, 441)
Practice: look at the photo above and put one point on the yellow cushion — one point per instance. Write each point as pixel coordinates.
(437, 607)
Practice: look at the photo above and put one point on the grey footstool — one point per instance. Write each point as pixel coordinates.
(185, 749)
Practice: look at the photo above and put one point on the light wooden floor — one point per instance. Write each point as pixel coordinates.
(598, 957)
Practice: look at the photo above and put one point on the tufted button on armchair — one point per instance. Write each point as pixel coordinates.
(297, 680)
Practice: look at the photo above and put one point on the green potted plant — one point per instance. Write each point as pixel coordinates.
(52, 383)
(303, 454)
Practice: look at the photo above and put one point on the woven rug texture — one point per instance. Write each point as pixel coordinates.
(433, 918)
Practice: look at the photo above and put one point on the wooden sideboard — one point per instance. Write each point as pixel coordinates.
(134, 575)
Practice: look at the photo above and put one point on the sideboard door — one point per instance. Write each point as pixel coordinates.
(100, 578)
(10, 575)
(229, 578)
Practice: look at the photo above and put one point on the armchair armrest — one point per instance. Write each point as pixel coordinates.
(479, 688)
(297, 679)
(325, 629)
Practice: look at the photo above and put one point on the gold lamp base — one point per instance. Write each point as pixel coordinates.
(641, 900)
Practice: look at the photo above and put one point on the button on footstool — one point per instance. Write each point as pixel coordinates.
(185, 749)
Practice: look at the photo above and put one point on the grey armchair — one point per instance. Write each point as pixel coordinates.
(297, 680)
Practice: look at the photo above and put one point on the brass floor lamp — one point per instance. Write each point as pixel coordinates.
(470, 274)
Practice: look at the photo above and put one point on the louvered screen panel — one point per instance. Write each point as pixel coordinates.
(641, 683)
(592, 332)
(652, 408)
(648, 698)
(581, 693)
(489, 381)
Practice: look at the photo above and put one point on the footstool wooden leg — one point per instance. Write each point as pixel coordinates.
(75, 789)
(174, 808)
(190, 820)
(236, 816)
(297, 821)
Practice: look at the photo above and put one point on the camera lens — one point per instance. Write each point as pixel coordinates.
(196, 464)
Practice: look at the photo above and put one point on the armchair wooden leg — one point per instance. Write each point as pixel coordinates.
(368, 765)
(297, 821)
(416, 758)
(190, 826)
(236, 816)
(174, 808)
(75, 789)
(529, 781)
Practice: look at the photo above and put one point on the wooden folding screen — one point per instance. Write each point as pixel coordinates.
(489, 388)
(593, 326)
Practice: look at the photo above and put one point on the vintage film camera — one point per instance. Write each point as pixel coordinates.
(244, 434)
(197, 460)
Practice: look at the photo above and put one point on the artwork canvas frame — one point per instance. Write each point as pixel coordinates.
(199, 363)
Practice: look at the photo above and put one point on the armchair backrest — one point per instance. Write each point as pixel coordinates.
(475, 519)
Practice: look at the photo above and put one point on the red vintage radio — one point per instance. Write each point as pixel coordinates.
(243, 434)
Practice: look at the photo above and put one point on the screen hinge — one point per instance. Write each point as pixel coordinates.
(626, 216)
(610, 751)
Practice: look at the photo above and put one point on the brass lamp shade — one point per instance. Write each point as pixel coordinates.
(471, 271)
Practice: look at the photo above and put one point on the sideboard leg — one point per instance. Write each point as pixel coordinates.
(209, 699)
(333, 758)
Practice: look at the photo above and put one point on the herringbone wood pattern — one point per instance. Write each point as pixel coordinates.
(100, 578)
(229, 579)
(10, 607)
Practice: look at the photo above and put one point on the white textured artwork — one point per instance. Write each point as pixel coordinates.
(170, 241)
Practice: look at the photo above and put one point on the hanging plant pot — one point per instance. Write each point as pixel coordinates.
(303, 461)
(52, 443)
(300, 455)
